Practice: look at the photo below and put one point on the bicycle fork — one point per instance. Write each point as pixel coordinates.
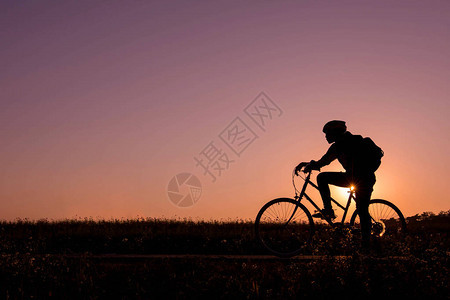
(298, 198)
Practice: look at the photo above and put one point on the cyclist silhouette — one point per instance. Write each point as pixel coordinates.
(358, 173)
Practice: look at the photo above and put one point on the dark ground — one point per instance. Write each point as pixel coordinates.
(122, 260)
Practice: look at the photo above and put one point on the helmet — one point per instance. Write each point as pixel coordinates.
(334, 127)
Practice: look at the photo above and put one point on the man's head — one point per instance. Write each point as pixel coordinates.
(333, 130)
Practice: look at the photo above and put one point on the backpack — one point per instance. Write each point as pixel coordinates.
(370, 154)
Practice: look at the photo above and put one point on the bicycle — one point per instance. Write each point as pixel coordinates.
(285, 226)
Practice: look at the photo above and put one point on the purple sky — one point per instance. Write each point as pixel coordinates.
(103, 102)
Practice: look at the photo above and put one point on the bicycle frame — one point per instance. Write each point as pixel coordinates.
(275, 231)
(303, 194)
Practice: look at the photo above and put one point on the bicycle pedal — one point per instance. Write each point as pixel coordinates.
(324, 216)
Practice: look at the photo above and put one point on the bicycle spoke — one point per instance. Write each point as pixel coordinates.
(284, 227)
(386, 218)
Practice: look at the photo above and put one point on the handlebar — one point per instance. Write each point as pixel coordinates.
(304, 169)
(294, 173)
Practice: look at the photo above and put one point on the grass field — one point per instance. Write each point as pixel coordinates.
(74, 259)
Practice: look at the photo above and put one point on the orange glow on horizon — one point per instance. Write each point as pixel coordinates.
(99, 111)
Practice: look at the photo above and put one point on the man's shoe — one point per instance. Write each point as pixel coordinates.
(325, 214)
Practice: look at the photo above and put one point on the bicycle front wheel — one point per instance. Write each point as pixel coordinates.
(387, 219)
(285, 227)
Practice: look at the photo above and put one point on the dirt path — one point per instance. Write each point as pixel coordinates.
(143, 257)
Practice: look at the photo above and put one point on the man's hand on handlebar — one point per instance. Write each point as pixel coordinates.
(299, 167)
(307, 167)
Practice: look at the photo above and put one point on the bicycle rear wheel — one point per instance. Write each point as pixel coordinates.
(285, 227)
(387, 219)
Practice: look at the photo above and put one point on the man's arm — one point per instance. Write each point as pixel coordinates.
(326, 159)
(316, 165)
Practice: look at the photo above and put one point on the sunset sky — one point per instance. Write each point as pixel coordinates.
(103, 102)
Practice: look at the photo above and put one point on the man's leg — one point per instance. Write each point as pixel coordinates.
(335, 178)
(363, 193)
